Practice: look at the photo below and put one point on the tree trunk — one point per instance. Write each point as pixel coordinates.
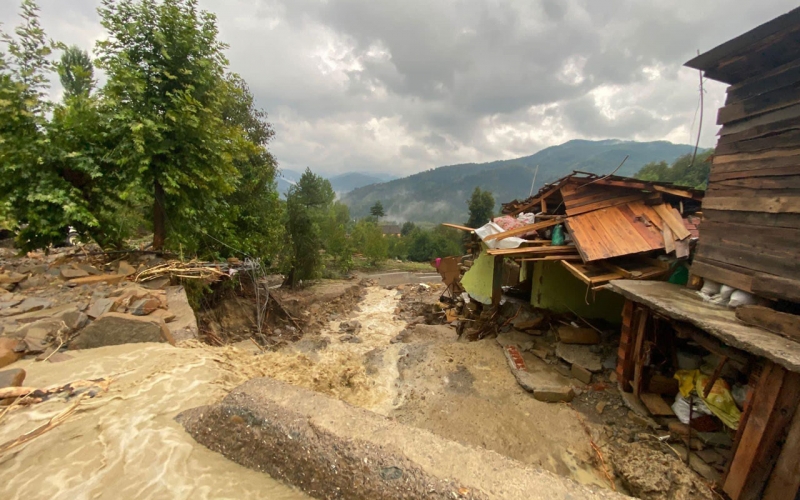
(159, 216)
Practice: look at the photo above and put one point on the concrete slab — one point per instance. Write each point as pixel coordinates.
(330, 449)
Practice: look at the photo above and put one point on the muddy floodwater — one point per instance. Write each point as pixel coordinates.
(126, 444)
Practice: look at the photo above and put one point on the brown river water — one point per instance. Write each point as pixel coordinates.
(124, 443)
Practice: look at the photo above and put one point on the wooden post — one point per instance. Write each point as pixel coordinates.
(626, 343)
(497, 280)
(638, 358)
(784, 483)
(773, 406)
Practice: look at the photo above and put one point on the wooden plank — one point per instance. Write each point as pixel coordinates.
(784, 324)
(673, 219)
(773, 407)
(570, 258)
(753, 218)
(760, 131)
(524, 229)
(739, 252)
(638, 359)
(776, 287)
(770, 173)
(576, 272)
(497, 280)
(784, 140)
(605, 204)
(712, 344)
(456, 226)
(772, 155)
(669, 239)
(760, 104)
(768, 204)
(783, 182)
(760, 83)
(649, 233)
(787, 239)
(723, 360)
(784, 482)
(656, 405)
(565, 249)
(538, 199)
(682, 248)
(626, 345)
(675, 191)
(714, 271)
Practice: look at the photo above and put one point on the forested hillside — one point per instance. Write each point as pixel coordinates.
(439, 195)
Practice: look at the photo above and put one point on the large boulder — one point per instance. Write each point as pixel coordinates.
(116, 328)
(10, 350)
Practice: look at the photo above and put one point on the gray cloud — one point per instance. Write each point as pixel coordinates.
(406, 86)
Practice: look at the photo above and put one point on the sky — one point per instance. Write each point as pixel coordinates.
(407, 85)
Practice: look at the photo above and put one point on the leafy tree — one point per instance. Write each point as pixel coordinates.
(681, 172)
(307, 203)
(76, 72)
(337, 244)
(424, 246)
(481, 206)
(377, 210)
(166, 88)
(408, 228)
(369, 240)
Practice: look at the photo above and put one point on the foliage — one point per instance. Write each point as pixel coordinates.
(167, 94)
(480, 205)
(337, 243)
(424, 246)
(681, 172)
(76, 72)
(307, 204)
(407, 228)
(377, 210)
(368, 238)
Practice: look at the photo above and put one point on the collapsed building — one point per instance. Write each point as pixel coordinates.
(704, 285)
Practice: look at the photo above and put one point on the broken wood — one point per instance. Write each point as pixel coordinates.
(656, 405)
(460, 228)
(714, 376)
(524, 229)
(784, 324)
(638, 359)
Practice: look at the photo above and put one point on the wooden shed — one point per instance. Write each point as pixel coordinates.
(750, 236)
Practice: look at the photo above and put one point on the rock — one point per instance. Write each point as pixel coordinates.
(612, 377)
(32, 282)
(11, 301)
(600, 407)
(350, 338)
(100, 307)
(554, 394)
(37, 335)
(581, 374)
(125, 269)
(517, 338)
(610, 362)
(540, 353)
(69, 272)
(33, 304)
(715, 439)
(11, 278)
(12, 378)
(640, 420)
(184, 326)
(350, 326)
(581, 355)
(708, 456)
(116, 328)
(111, 279)
(88, 268)
(167, 316)
(570, 335)
(10, 351)
(143, 307)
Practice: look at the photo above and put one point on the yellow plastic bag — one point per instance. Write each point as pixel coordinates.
(719, 400)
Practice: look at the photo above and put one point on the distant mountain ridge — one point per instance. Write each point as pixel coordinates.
(341, 183)
(441, 194)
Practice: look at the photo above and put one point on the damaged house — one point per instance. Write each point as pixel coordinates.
(705, 286)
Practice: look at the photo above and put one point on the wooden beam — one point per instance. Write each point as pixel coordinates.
(497, 281)
(712, 344)
(605, 204)
(571, 258)
(768, 204)
(673, 220)
(675, 191)
(456, 226)
(536, 200)
(714, 376)
(776, 287)
(638, 360)
(524, 229)
(741, 279)
(774, 405)
(784, 482)
(784, 324)
(565, 249)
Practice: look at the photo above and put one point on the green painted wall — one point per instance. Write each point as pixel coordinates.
(478, 280)
(556, 289)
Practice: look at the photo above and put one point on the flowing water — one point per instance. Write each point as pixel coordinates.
(124, 443)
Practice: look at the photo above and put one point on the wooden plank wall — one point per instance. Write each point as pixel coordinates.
(750, 238)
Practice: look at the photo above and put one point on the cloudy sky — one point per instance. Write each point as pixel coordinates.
(407, 85)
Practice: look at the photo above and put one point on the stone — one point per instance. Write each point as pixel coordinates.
(11, 278)
(350, 326)
(581, 355)
(540, 353)
(100, 307)
(89, 269)
(600, 407)
(32, 282)
(612, 377)
(350, 338)
(570, 335)
(116, 328)
(715, 439)
(10, 351)
(167, 316)
(581, 374)
(111, 279)
(678, 428)
(554, 394)
(143, 307)
(125, 269)
(641, 420)
(12, 378)
(517, 338)
(33, 304)
(708, 456)
(184, 327)
(69, 272)
(610, 362)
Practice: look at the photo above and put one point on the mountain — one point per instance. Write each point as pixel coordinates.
(352, 180)
(341, 183)
(441, 194)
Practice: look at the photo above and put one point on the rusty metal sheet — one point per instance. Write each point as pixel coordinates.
(613, 232)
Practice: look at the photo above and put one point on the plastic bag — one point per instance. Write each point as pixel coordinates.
(710, 288)
(681, 408)
(741, 298)
(719, 402)
(558, 236)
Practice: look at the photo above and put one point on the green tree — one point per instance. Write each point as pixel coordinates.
(368, 239)
(682, 172)
(408, 228)
(166, 87)
(76, 72)
(307, 203)
(377, 210)
(481, 207)
(337, 243)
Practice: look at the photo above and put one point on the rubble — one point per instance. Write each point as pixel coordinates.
(117, 328)
(12, 378)
(580, 355)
